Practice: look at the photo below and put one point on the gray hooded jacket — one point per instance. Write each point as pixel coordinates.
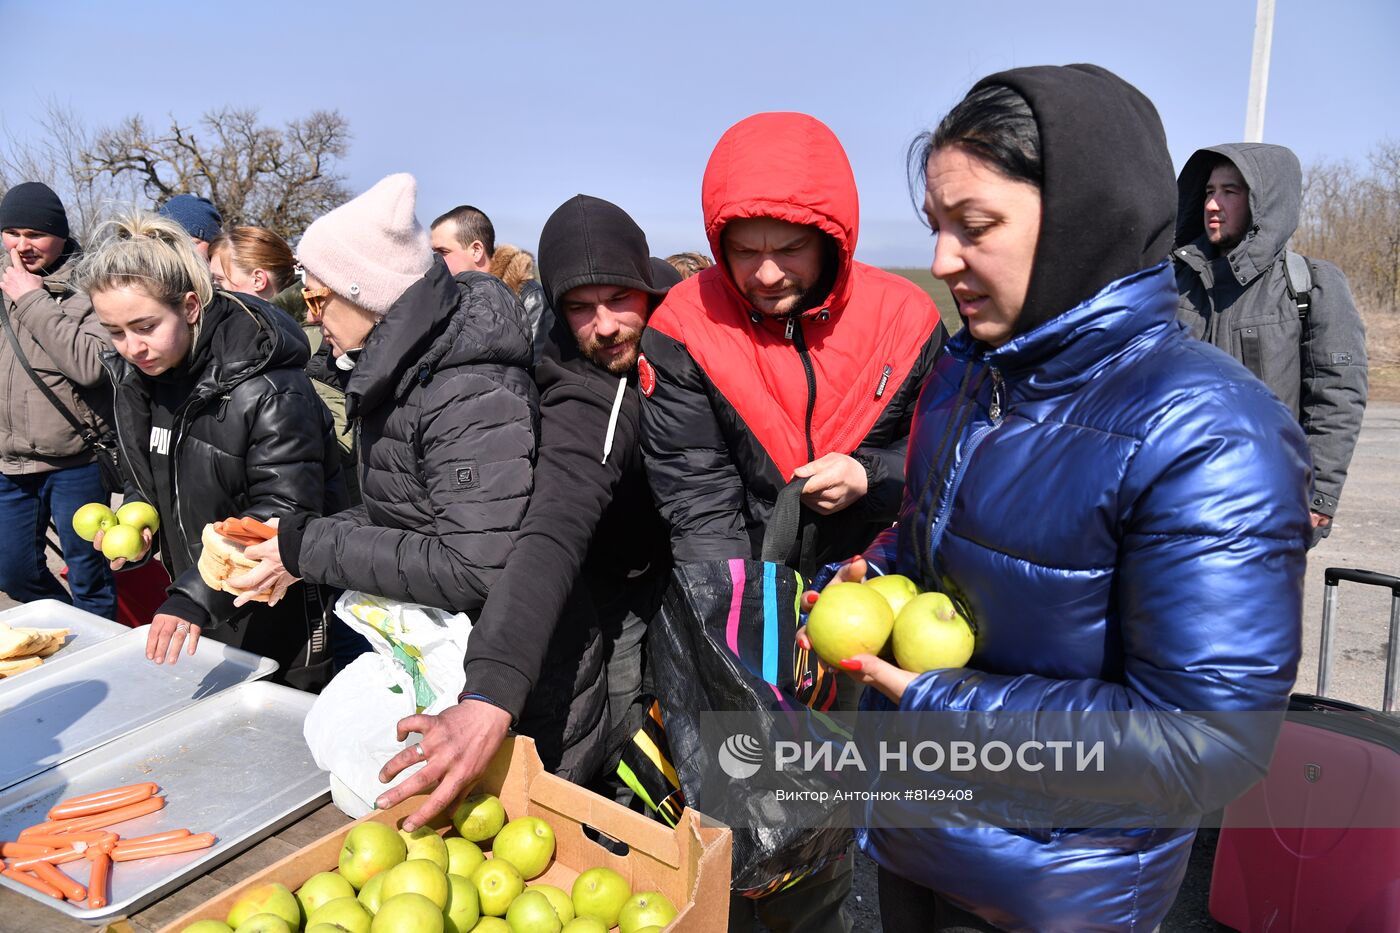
(1240, 303)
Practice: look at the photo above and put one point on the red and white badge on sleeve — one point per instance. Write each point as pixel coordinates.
(646, 375)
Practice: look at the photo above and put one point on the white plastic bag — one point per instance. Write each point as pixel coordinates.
(416, 665)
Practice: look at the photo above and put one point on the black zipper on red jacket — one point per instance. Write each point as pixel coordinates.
(794, 333)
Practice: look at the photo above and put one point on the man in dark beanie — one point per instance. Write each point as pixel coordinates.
(592, 559)
(51, 339)
(200, 218)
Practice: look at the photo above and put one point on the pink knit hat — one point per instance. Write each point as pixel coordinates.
(370, 249)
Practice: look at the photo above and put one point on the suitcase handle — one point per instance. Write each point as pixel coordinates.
(1369, 577)
(1331, 577)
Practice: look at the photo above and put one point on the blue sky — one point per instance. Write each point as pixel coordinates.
(517, 106)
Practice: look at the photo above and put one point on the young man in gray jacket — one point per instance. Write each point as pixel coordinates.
(1288, 318)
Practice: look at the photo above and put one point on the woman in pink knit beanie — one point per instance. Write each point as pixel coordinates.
(440, 398)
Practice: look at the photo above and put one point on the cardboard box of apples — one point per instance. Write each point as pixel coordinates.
(510, 858)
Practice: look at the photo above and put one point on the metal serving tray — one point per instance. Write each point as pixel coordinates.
(96, 694)
(88, 629)
(235, 765)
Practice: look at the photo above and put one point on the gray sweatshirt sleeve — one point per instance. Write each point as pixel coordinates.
(1333, 397)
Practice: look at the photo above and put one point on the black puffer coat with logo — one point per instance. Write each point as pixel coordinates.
(251, 439)
(446, 418)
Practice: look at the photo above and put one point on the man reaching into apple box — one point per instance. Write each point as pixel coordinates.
(592, 559)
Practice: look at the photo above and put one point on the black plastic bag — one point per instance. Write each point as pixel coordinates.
(723, 640)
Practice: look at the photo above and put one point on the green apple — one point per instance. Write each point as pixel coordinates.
(344, 912)
(647, 909)
(479, 817)
(320, 888)
(600, 893)
(408, 913)
(415, 876)
(326, 928)
(849, 619)
(584, 925)
(463, 856)
(463, 905)
(491, 925)
(369, 894)
(92, 518)
(498, 882)
(532, 912)
(652, 929)
(208, 926)
(266, 923)
(139, 515)
(527, 843)
(271, 898)
(370, 848)
(122, 541)
(929, 634)
(896, 588)
(423, 842)
(560, 901)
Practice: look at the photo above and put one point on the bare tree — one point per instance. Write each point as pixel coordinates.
(281, 179)
(54, 156)
(1351, 216)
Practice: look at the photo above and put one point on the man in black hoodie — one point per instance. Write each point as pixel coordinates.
(593, 555)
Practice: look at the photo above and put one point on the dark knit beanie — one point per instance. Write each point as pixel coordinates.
(197, 215)
(664, 275)
(32, 205)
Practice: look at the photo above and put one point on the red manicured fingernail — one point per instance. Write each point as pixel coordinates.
(809, 598)
(851, 664)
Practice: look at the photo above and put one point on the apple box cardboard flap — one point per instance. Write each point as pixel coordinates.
(689, 864)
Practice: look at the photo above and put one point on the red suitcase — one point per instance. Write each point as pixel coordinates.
(1315, 846)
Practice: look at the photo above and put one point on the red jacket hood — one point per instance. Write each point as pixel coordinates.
(789, 166)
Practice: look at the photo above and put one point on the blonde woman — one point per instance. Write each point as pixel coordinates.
(216, 418)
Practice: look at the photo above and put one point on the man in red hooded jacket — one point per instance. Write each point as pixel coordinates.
(785, 359)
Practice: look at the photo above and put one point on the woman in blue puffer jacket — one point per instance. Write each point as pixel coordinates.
(1120, 511)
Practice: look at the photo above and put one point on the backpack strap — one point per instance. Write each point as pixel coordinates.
(1297, 274)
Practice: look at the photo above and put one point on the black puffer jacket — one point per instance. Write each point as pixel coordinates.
(592, 539)
(251, 439)
(446, 412)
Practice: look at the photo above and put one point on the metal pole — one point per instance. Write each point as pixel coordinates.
(1259, 71)
(1324, 656)
(1388, 700)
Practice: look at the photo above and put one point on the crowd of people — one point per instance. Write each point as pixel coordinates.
(1116, 466)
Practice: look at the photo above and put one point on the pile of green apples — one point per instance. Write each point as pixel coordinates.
(121, 530)
(888, 616)
(391, 881)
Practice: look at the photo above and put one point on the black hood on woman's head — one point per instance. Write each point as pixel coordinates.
(1108, 202)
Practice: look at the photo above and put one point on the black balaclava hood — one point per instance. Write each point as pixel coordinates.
(589, 241)
(1108, 197)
